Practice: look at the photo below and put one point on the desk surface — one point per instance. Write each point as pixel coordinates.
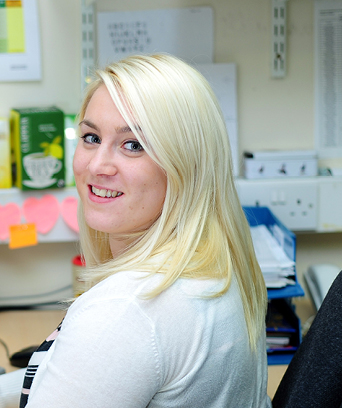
(23, 328)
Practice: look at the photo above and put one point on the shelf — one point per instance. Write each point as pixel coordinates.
(285, 323)
(287, 292)
(282, 296)
(60, 231)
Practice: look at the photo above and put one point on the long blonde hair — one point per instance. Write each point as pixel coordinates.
(202, 231)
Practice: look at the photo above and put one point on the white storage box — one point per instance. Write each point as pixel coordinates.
(280, 164)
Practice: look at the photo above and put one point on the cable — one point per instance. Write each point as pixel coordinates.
(6, 348)
(53, 292)
(307, 324)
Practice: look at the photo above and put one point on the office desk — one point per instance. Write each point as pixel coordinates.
(23, 328)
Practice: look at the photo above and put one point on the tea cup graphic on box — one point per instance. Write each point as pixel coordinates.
(38, 147)
(41, 168)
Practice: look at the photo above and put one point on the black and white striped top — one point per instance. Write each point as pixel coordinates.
(33, 365)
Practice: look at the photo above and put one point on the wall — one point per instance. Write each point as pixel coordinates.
(60, 30)
(272, 113)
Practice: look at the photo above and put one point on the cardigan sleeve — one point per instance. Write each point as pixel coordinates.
(10, 388)
(105, 355)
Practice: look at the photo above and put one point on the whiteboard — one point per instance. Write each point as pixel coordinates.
(187, 33)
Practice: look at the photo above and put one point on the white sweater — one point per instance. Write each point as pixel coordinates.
(116, 349)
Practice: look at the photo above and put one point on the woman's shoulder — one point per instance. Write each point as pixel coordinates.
(130, 290)
(117, 287)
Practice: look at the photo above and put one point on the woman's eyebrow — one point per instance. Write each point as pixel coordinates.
(126, 129)
(123, 129)
(119, 129)
(89, 124)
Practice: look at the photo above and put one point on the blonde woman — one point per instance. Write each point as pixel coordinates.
(175, 314)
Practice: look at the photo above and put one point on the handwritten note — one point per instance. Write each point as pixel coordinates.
(185, 32)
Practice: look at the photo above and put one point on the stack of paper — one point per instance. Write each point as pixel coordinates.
(277, 268)
(281, 335)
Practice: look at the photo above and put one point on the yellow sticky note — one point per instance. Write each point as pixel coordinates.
(22, 235)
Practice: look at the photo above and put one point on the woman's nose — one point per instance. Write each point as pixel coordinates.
(103, 162)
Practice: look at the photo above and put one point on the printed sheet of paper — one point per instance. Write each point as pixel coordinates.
(185, 32)
(328, 78)
(276, 266)
(19, 41)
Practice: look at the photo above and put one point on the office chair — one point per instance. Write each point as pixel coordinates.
(314, 376)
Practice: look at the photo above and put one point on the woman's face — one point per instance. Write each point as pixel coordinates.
(122, 189)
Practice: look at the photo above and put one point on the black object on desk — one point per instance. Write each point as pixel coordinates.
(21, 358)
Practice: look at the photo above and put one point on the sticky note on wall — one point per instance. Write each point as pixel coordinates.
(23, 235)
(42, 212)
(9, 215)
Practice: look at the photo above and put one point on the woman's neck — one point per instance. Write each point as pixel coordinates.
(118, 244)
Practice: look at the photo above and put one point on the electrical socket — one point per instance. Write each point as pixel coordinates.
(293, 201)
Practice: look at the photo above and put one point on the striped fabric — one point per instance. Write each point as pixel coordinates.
(33, 365)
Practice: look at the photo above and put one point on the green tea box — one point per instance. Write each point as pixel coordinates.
(5, 155)
(70, 142)
(37, 137)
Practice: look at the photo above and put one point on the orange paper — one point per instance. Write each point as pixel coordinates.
(22, 235)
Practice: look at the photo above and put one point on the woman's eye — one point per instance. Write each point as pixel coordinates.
(133, 146)
(91, 138)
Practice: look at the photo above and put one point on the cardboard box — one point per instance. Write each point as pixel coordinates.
(37, 137)
(280, 164)
(5, 155)
(71, 140)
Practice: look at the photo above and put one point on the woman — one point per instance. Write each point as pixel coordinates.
(175, 316)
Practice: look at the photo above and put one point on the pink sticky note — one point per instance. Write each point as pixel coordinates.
(42, 212)
(69, 213)
(9, 215)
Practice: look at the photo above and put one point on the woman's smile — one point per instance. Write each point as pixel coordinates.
(105, 193)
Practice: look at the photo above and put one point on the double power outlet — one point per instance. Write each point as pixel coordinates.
(293, 201)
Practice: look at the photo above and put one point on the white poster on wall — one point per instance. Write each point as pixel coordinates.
(20, 58)
(222, 78)
(184, 32)
(328, 78)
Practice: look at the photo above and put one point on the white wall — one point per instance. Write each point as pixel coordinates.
(273, 113)
(60, 30)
